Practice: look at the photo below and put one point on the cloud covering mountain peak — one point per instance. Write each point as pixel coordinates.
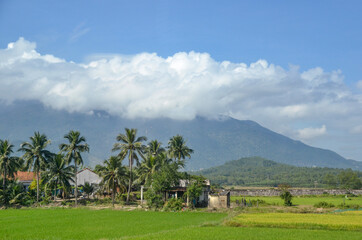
(181, 86)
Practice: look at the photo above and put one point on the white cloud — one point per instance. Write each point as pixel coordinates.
(182, 86)
(308, 133)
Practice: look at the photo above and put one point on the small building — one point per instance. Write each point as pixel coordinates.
(25, 178)
(220, 200)
(180, 191)
(87, 175)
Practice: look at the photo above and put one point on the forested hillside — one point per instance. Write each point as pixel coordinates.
(256, 171)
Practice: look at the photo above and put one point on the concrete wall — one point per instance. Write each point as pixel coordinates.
(216, 201)
(294, 192)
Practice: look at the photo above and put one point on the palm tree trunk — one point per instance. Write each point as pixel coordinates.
(130, 179)
(4, 185)
(113, 197)
(37, 187)
(76, 185)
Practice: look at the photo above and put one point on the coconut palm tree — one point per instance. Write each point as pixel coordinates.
(58, 173)
(178, 150)
(73, 152)
(154, 148)
(150, 166)
(130, 146)
(8, 164)
(36, 156)
(88, 189)
(113, 175)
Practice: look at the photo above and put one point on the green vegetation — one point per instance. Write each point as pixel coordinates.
(329, 221)
(257, 171)
(113, 224)
(155, 168)
(95, 224)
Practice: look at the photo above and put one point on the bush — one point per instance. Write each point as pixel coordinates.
(174, 205)
(324, 204)
(287, 197)
(154, 200)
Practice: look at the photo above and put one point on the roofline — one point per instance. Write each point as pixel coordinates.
(86, 169)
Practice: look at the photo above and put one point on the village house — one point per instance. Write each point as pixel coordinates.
(89, 176)
(180, 190)
(25, 178)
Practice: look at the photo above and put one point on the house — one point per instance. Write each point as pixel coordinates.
(180, 191)
(220, 200)
(87, 175)
(25, 178)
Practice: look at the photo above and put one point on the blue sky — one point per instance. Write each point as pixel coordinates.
(293, 66)
(304, 33)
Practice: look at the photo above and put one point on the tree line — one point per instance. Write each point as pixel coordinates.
(149, 164)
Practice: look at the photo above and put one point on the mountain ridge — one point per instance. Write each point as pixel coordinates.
(215, 141)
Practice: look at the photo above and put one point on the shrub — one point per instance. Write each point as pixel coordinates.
(324, 204)
(174, 204)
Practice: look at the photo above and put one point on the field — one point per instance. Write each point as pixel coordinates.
(350, 220)
(84, 223)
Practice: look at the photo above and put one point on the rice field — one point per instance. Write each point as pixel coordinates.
(349, 220)
(83, 223)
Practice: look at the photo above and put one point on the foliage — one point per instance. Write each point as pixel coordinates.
(174, 204)
(323, 204)
(8, 166)
(35, 155)
(76, 145)
(58, 173)
(131, 146)
(178, 150)
(285, 194)
(88, 189)
(113, 175)
(255, 171)
(194, 189)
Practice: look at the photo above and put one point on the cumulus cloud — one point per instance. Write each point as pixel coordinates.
(181, 86)
(307, 133)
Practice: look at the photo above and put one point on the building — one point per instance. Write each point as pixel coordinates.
(180, 191)
(220, 200)
(87, 175)
(25, 178)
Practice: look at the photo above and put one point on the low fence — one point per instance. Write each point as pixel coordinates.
(294, 192)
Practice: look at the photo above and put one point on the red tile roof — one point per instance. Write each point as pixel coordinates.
(25, 176)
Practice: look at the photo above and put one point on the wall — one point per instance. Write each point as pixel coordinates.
(294, 192)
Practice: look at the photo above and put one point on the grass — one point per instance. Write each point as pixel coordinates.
(236, 233)
(94, 224)
(351, 220)
(83, 223)
(307, 200)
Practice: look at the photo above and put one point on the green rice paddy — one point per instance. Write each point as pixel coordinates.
(82, 223)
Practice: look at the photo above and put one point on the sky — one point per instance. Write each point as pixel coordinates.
(293, 66)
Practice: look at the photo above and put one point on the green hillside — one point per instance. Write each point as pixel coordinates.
(256, 171)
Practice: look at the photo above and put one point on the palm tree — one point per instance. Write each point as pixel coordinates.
(154, 148)
(113, 175)
(58, 173)
(8, 165)
(130, 145)
(88, 189)
(73, 152)
(151, 165)
(178, 150)
(36, 156)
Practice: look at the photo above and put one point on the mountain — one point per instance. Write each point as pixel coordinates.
(256, 171)
(215, 141)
